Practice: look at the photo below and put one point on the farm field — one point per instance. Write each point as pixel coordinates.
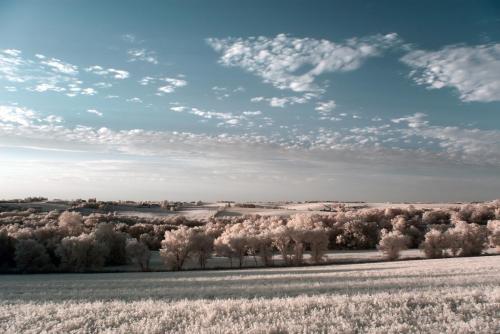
(208, 210)
(455, 295)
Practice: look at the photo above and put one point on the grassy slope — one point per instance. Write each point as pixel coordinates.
(441, 296)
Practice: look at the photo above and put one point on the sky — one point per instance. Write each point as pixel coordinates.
(250, 100)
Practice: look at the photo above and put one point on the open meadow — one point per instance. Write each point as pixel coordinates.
(455, 295)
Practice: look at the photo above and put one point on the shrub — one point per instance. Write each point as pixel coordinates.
(392, 243)
(139, 253)
(82, 253)
(436, 217)
(435, 244)
(359, 235)
(31, 256)
(494, 229)
(467, 239)
(71, 222)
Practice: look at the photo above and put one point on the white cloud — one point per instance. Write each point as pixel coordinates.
(44, 87)
(325, 107)
(103, 85)
(146, 80)
(134, 100)
(129, 38)
(88, 91)
(472, 70)
(12, 52)
(22, 126)
(222, 93)
(416, 120)
(167, 85)
(225, 117)
(114, 73)
(15, 114)
(53, 119)
(171, 84)
(41, 74)
(142, 55)
(282, 102)
(252, 113)
(95, 112)
(58, 65)
(295, 63)
(178, 108)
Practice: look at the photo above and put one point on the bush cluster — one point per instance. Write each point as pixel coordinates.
(33, 241)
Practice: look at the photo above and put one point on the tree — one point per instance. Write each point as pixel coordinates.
(31, 256)
(176, 246)
(202, 247)
(114, 241)
(318, 242)
(82, 253)
(264, 245)
(233, 242)
(139, 253)
(71, 222)
(7, 249)
(392, 243)
(280, 236)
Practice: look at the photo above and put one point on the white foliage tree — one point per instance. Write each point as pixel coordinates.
(392, 243)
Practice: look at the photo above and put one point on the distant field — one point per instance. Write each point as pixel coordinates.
(456, 295)
(209, 210)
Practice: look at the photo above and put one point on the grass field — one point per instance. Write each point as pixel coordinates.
(456, 295)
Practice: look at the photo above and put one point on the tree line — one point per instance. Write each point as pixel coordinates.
(32, 241)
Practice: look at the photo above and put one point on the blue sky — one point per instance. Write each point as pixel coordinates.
(250, 100)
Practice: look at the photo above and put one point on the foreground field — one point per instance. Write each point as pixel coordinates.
(458, 295)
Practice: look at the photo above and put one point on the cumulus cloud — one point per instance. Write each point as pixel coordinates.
(44, 87)
(59, 66)
(14, 115)
(293, 63)
(282, 102)
(222, 93)
(473, 146)
(472, 70)
(170, 85)
(41, 74)
(225, 117)
(382, 143)
(416, 120)
(95, 112)
(111, 72)
(166, 85)
(17, 115)
(325, 107)
(142, 55)
(134, 100)
(252, 113)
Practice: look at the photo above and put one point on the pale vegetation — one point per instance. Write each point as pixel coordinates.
(457, 295)
(36, 241)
